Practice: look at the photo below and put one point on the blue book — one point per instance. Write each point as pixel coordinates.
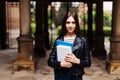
(63, 48)
(60, 42)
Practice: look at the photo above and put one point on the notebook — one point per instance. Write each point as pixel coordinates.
(63, 48)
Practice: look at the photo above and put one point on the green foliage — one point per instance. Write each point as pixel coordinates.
(33, 29)
(107, 19)
(107, 30)
(58, 29)
(93, 15)
(73, 9)
(85, 18)
(58, 18)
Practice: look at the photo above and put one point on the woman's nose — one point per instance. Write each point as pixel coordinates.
(70, 24)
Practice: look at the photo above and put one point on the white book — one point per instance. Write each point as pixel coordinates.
(62, 51)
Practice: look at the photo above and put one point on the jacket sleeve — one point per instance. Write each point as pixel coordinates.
(52, 60)
(85, 61)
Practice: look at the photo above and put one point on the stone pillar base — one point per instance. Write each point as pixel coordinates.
(113, 67)
(24, 58)
(24, 65)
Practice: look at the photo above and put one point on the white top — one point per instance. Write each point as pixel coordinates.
(71, 40)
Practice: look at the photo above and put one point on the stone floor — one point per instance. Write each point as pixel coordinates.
(97, 70)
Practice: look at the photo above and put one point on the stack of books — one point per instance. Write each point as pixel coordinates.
(63, 48)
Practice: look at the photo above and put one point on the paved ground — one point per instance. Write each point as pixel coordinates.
(43, 72)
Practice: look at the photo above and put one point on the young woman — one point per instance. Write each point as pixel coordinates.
(72, 68)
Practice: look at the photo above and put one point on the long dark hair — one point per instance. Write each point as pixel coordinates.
(77, 29)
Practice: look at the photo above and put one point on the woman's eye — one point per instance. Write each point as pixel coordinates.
(68, 22)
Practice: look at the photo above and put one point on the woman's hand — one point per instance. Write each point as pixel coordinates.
(72, 59)
(66, 64)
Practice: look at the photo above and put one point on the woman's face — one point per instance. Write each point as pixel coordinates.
(70, 25)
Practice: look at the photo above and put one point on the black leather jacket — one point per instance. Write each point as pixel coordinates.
(80, 50)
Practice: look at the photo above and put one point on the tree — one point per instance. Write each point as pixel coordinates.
(107, 19)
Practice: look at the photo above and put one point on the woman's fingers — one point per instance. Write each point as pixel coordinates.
(72, 58)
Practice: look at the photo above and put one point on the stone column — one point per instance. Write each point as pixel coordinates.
(99, 48)
(90, 32)
(46, 33)
(3, 33)
(113, 63)
(39, 50)
(25, 41)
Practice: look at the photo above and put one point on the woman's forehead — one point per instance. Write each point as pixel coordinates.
(70, 18)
